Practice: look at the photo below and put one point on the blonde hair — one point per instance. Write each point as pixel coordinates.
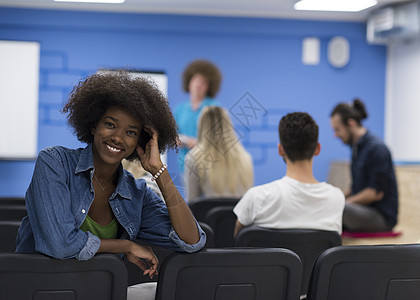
(220, 156)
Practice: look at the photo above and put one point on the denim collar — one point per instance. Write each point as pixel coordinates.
(85, 163)
(85, 160)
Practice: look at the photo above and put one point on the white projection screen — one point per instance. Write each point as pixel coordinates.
(19, 85)
(159, 78)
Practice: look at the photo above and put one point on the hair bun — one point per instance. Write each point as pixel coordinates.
(359, 106)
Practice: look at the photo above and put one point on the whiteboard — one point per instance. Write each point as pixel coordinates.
(19, 85)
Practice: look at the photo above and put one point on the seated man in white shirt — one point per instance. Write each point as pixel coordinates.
(297, 200)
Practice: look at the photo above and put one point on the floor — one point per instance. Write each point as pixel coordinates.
(408, 178)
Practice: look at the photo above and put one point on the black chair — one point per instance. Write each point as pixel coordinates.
(38, 277)
(12, 211)
(379, 272)
(229, 273)
(201, 206)
(307, 243)
(209, 234)
(8, 233)
(135, 274)
(12, 208)
(222, 220)
(12, 201)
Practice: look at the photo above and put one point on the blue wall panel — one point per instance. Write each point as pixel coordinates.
(260, 60)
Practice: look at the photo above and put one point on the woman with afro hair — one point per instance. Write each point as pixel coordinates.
(81, 201)
(201, 79)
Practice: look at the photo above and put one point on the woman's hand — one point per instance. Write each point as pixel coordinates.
(138, 254)
(181, 217)
(141, 256)
(150, 156)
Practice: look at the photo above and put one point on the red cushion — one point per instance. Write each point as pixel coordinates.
(357, 234)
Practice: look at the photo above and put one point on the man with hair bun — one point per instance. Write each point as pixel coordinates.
(372, 202)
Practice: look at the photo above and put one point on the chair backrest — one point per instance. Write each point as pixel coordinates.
(200, 207)
(12, 208)
(231, 273)
(307, 243)
(379, 272)
(38, 277)
(222, 220)
(209, 234)
(12, 201)
(12, 211)
(8, 233)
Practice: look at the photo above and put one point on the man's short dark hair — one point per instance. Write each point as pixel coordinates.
(298, 134)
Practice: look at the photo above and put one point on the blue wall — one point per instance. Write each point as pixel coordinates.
(260, 60)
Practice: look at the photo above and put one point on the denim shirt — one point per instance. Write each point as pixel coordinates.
(60, 195)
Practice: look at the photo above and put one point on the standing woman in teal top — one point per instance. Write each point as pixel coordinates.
(201, 79)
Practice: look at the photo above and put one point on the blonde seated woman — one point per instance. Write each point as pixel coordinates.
(218, 166)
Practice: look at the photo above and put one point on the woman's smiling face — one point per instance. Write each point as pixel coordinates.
(116, 136)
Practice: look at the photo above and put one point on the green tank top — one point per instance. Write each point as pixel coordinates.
(108, 231)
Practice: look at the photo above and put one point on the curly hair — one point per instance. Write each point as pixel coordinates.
(140, 97)
(206, 69)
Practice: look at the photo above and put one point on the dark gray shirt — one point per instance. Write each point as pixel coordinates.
(372, 167)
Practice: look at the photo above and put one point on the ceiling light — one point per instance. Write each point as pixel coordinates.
(92, 1)
(335, 5)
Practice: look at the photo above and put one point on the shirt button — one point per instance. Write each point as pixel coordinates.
(83, 210)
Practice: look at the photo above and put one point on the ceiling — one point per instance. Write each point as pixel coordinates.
(239, 8)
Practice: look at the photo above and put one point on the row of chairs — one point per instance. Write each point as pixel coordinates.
(218, 214)
(381, 272)
(308, 244)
